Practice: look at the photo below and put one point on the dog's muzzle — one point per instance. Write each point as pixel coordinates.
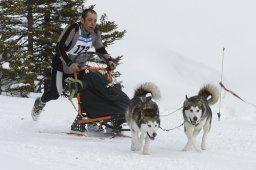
(195, 123)
(152, 137)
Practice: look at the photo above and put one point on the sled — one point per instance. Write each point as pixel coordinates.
(80, 110)
(102, 120)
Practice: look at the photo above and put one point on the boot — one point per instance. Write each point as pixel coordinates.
(37, 109)
(92, 127)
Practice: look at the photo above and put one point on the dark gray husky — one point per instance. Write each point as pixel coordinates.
(142, 116)
(198, 114)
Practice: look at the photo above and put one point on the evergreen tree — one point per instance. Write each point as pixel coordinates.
(13, 49)
(110, 35)
(51, 16)
(29, 30)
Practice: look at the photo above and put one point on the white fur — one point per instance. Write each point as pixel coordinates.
(194, 112)
(141, 134)
(195, 120)
(192, 131)
(149, 86)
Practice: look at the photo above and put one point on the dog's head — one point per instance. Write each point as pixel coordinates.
(149, 117)
(193, 109)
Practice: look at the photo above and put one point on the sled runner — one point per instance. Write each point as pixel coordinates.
(99, 100)
(91, 135)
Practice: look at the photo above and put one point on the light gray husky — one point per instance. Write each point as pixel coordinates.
(142, 116)
(197, 115)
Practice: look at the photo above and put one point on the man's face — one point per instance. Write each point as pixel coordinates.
(89, 23)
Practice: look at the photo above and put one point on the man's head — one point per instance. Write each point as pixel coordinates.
(89, 19)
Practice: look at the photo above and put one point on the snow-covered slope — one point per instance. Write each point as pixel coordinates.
(231, 143)
(25, 144)
(176, 45)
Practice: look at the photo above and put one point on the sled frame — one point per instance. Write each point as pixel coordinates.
(80, 109)
(103, 120)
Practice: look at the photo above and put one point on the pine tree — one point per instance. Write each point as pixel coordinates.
(30, 29)
(51, 16)
(110, 33)
(29, 32)
(13, 49)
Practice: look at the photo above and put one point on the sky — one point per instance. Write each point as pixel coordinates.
(196, 29)
(178, 46)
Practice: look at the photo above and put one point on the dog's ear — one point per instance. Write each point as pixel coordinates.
(186, 101)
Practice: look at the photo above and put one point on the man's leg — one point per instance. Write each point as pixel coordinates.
(52, 94)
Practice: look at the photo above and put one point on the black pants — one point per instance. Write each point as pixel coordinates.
(57, 79)
(97, 99)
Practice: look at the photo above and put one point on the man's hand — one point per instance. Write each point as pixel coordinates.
(112, 65)
(74, 67)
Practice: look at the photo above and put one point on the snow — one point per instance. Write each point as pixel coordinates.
(176, 45)
(6, 65)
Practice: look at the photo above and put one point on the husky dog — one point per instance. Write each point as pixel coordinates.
(142, 116)
(198, 114)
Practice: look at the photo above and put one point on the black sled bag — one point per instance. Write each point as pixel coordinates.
(98, 99)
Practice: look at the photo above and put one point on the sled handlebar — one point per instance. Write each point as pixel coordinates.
(91, 53)
(109, 72)
(84, 67)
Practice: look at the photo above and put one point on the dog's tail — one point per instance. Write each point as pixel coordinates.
(146, 88)
(209, 90)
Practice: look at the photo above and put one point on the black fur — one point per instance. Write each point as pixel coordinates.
(143, 108)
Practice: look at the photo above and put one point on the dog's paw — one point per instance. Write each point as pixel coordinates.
(187, 148)
(203, 147)
(145, 152)
(138, 147)
(198, 149)
(133, 148)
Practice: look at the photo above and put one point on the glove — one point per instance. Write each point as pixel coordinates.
(74, 67)
(111, 65)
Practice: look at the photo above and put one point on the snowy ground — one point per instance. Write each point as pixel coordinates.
(179, 56)
(231, 143)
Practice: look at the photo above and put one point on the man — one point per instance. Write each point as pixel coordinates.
(75, 39)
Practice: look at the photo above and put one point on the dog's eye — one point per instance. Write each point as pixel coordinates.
(191, 110)
(149, 125)
(155, 125)
(197, 111)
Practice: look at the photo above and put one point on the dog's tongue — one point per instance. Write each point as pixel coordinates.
(192, 122)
